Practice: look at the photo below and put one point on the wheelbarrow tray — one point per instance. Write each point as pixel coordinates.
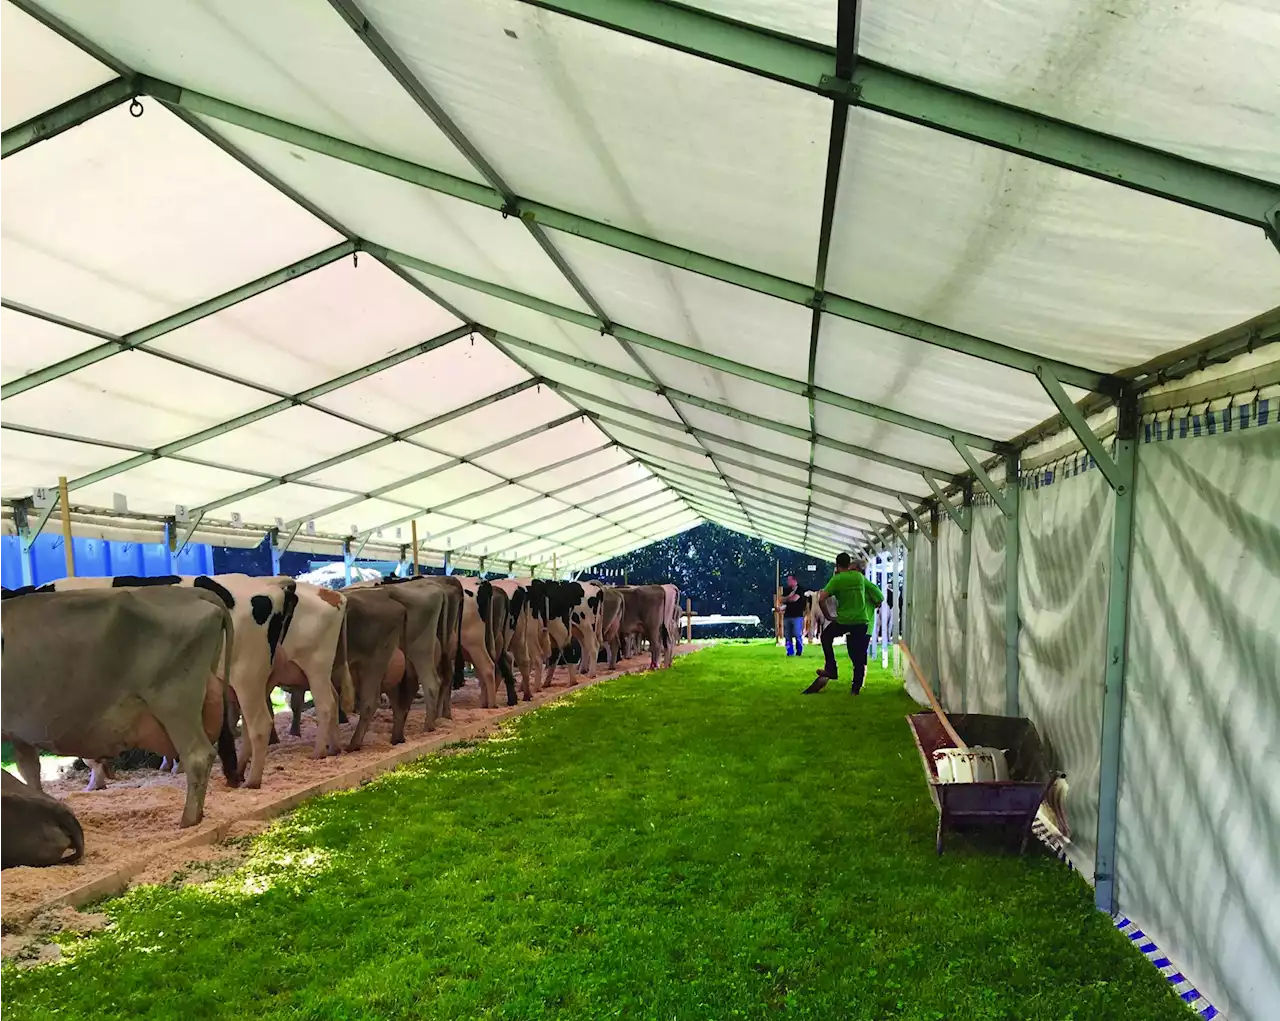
(1013, 802)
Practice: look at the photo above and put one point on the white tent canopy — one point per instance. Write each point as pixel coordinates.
(552, 279)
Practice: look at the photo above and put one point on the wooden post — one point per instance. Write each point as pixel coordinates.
(64, 504)
(413, 528)
(688, 620)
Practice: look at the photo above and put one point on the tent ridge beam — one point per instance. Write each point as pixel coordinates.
(68, 115)
(616, 237)
(812, 66)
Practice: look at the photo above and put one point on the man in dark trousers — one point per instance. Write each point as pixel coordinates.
(856, 599)
(793, 602)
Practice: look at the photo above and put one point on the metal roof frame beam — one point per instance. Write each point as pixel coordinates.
(813, 66)
(768, 499)
(830, 535)
(136, 338)
(694, 400)
(70, 114)
(639, 338)
(615, 237)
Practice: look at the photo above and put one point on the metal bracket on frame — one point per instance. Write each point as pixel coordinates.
(893, 525)
(915, 516)
(1006, 503)
(186, 537)
(22, 520)
(293, 534)
(1080, 426)
(946, 504)
(360, 549)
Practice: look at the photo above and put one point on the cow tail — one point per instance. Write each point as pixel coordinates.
(71, 826)
(458, 679)
(346, 687)
(226, 735)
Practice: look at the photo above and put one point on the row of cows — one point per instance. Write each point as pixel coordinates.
(94, 666)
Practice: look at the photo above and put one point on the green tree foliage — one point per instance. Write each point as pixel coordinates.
(721, 570)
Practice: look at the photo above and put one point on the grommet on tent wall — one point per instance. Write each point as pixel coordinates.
(135, 107)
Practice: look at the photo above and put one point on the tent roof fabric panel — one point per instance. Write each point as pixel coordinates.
(945, 386)
(290, 502)
(285, 442)
(933, 451)
(149, 488)
(1190, 78)
(655, 141)
(527, 324)
(546, 448)
(607, 503)
(688, 308)
(364, 515)
(450, 484)
(488, 505)
(1033, 256)
(585, 384)
(40, 69)
(632, 440)
(870, 471)
(127, 220)
(133, 398)
(313, 328)
(401, 216)
(792, 17)
(501, 421)
(32, 461)
(282, 58)
(378, 468)
(31, 343)
(744, 432)
(432, 384)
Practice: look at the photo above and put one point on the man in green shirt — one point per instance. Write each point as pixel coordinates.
(856, 601)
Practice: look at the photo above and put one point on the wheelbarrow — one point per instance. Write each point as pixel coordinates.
(1011, 803)
(1013, 752)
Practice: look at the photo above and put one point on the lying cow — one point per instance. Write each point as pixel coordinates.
(37, 829)
(261, 611)
(94, 672)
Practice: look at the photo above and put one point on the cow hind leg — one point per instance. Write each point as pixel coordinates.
(257, 730)
(97, 775)
(297, 703)
(187, 735)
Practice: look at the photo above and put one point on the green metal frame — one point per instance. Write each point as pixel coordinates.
(641, 339)
(136, 338)
(832, 532)
(1012, 622)
(616, 237)
(958, 516)
(65, 117)
(915, 516)
(966, 562)
(1080, 426)
(827, 515)
(768, 455)
(1113, 703)
(682, 397)
(812, 66)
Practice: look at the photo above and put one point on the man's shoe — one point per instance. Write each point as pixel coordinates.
(818, 684)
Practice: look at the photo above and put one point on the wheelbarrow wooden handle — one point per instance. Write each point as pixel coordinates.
(933, 699)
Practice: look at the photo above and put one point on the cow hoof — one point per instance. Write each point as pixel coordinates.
(397, 740)
(233, 783)
(188, 823)
(252, 785)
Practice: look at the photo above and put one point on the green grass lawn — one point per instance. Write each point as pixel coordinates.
(702, 842)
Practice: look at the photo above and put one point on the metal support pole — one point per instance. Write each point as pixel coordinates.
(908, 626)
(935, 555)
(966, 559)
(346, 560)
(413, 528)
(1126, 463)
(170, 541)
(64, 504)
(1013, 502)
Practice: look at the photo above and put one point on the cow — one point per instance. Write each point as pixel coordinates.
(486, 635)
(611, 623)
(524, 646)
(313, 655)
(428, 612)
(38, 829)
(567, 610)
(261, 610)
(90, 673)
(375, 658)
(820, 614)
(646, 612)
(671, 622)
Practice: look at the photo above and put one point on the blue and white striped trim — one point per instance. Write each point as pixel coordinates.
(1182, 985)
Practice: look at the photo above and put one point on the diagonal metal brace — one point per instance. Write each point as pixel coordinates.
(31, 533)
(1080, 426)
(1003, 500)
(915, 516)
(956, 516)
(896, 530)
(292, 535)
(186, 538)
(355, 555)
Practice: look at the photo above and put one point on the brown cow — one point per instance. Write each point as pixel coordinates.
(91, 673)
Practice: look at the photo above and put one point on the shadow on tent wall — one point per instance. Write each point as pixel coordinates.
(97, 558)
